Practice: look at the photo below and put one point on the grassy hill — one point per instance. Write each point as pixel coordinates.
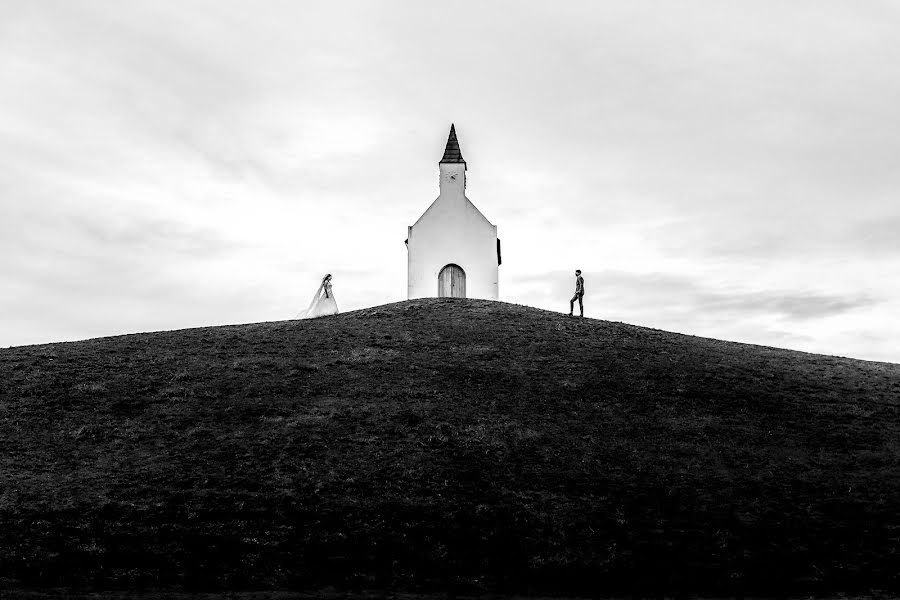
(458, 446)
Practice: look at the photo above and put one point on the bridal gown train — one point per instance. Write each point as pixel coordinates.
(323, 303)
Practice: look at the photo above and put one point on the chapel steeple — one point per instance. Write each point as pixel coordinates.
(452, 153)
(453, 168)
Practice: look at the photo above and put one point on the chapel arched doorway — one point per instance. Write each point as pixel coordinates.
(452, 282)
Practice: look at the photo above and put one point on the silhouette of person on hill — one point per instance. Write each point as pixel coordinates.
(323, 303)
(579, 294)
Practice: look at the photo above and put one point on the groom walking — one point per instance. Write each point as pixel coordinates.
(579, 294)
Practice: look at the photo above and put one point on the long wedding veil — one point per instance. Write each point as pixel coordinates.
(305, 313)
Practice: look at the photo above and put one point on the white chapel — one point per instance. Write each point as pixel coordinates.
(453, 249)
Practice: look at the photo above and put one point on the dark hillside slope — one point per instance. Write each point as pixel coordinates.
(447, 445)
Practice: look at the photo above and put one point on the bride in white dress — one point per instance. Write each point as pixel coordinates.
(323, 303)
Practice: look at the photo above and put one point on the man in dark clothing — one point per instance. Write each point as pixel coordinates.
(579, 294)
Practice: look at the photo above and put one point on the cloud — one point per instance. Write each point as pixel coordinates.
(758, 238)
(672, 294)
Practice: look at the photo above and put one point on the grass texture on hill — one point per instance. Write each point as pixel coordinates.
(461, 446)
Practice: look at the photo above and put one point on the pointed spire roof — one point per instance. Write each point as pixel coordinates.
(451, 152)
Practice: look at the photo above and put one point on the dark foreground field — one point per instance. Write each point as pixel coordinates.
(447, 446)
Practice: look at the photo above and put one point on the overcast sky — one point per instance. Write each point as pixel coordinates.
(723, 169)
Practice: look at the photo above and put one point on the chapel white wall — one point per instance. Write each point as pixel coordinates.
(453, 231)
